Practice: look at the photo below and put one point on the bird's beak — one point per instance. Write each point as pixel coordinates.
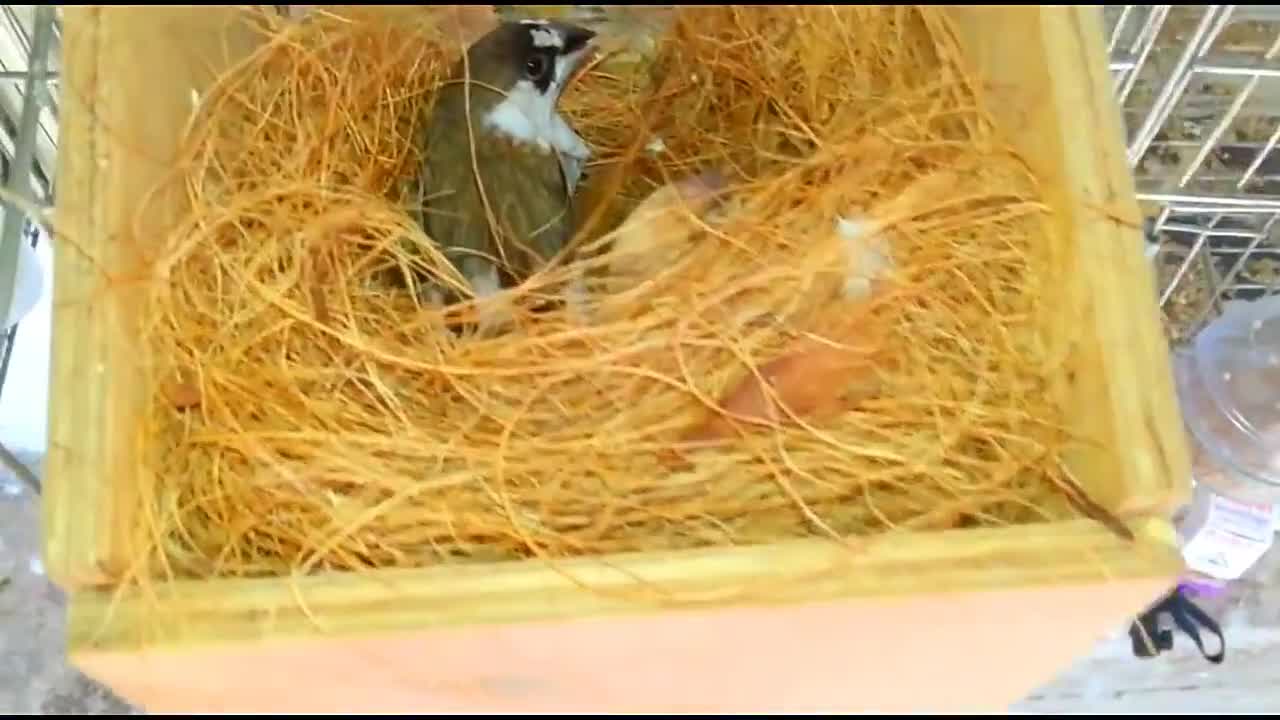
(576, 38)
(577, 48)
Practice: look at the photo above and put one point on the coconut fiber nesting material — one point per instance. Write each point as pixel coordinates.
(832, 242)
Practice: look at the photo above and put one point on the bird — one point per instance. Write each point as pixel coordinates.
(497, 147)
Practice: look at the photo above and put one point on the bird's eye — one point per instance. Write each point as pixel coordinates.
(536, 67)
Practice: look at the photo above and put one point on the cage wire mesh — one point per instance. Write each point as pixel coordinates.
(1200, 90)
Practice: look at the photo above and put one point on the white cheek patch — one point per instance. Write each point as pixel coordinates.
(525, 114)
(565, 65)
(533, 21)
(546, 37)
(529, 116)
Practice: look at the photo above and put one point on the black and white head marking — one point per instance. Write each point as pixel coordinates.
(543, 35)
(548, 53)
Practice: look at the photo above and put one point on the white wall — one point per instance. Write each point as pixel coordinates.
(24, 399)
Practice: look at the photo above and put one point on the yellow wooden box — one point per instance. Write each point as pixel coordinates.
(963, 620)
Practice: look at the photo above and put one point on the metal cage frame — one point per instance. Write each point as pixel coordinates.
(1199, 87)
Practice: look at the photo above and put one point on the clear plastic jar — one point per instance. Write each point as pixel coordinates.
(1229, 389)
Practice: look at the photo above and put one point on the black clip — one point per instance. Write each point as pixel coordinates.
(1149, 640)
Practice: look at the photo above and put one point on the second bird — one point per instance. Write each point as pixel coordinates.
(510, 156)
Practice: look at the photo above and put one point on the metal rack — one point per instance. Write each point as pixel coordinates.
(1200, 91)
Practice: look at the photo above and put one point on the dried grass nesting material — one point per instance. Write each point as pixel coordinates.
(309, 416)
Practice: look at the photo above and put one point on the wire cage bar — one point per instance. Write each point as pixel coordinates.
(1199, 86)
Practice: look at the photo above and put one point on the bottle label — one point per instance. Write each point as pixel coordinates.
(1235, 535)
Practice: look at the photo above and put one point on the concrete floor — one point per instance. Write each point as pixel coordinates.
(35, 678)
(34, 675)
(1111, 680)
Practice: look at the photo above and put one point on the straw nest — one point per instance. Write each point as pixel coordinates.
(310, 414)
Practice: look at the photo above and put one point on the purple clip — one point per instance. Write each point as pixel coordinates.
(1201, 588)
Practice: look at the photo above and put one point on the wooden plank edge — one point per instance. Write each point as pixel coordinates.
(803, 571)
(94, 521)
(76, 505)
(1105, 212)
(849, 655)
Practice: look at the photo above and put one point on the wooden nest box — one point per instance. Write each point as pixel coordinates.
(960, 620)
